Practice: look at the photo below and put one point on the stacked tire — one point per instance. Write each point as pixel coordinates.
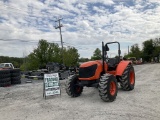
(5, 78)
(15, 76)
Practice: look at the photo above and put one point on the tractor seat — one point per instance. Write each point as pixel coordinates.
(112, 62)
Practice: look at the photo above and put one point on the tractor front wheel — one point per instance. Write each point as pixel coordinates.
(127, 81)
(108, 88)
(72, 88)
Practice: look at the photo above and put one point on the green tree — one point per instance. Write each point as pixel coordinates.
(83, 59)
(70, 56)
(134, 52)
(54, 53)
(50, 52)
(44, 53)
(156, 44)
(97, 54)
(148, 50)
(17, 62)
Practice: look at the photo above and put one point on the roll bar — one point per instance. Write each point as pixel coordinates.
(105, 48)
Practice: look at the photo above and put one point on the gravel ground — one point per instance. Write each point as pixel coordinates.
(25, 101)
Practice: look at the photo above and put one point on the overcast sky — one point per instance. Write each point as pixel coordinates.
(86, 23)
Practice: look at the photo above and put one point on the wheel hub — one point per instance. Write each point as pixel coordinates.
(132, 78)
(112, 88)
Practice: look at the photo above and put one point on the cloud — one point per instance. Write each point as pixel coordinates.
(85, 23)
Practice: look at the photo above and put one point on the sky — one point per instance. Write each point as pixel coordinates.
(86, 23)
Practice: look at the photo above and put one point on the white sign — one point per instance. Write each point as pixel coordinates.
(51, 84)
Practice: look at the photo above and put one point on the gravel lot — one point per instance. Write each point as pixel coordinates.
(25, 101)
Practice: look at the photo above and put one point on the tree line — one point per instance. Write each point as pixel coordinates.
(44, 53)
(150, 50)
(52, 52)
(17, 62)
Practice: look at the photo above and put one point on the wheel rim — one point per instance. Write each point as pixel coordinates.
(112, 88)
(131, 77)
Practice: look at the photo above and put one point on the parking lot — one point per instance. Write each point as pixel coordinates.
(26, 102)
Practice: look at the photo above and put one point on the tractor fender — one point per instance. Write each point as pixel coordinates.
(121, 67)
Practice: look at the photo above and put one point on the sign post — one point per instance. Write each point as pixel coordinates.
(51, 85)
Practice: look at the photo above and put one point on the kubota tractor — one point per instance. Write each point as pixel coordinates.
(103, 74)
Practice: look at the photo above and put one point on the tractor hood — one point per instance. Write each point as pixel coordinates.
(90, 63)
(90, 70)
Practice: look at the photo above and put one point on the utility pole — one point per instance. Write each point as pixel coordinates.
(59, 27)
(128, 49)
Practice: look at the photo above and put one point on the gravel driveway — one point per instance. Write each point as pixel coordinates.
(25, 101)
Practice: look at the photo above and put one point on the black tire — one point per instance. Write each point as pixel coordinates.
(6, 84)
(72, 89)
(108, 88)
(16, 70)
(5, 75)
(4, 80)
(127, 81)
(15, 74)
(16, 82)
(4, 72)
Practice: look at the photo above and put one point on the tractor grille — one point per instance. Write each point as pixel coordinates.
(87, 72)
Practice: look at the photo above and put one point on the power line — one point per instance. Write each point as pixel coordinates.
(23, 40)
(76, 47)
(80, 46)
(24, 31)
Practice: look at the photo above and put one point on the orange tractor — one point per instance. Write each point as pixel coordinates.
(103, 74)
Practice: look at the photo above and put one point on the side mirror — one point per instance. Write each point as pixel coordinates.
(106, 48)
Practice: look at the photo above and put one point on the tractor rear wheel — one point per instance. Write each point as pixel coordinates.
(72, 87)
(108, 88)
(127, 81)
